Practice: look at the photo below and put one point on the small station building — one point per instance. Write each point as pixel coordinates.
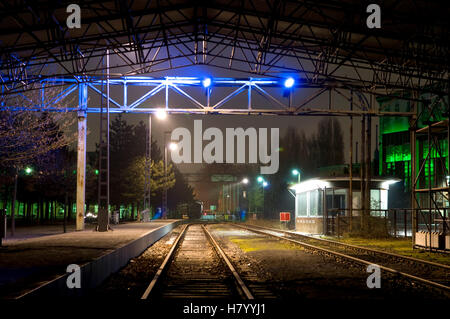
(322, 198)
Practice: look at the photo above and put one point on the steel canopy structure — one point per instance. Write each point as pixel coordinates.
(326, 45)
(327, 41)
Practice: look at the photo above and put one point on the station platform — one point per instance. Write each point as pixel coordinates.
(34, 263)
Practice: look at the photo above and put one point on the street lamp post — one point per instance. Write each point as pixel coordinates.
(245, 182)
(28, 170)
(172, 147)
(164, 204)
(160, 114)
(264, 184)
(13, 206)
(296, 172)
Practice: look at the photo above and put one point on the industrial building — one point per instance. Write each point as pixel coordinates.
(317, 201)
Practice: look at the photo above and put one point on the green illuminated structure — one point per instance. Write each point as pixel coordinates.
(395, 150)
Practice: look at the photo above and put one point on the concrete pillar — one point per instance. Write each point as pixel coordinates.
(81, 158)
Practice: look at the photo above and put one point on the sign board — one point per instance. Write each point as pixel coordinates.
(285, 216)
(223, 178)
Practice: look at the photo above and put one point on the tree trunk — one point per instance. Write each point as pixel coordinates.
(69, 210)
(53, 211)
(28, 212)
(40, 210)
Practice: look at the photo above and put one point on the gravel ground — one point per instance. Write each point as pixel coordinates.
(134, 278)
(292, 272)
(272, 268)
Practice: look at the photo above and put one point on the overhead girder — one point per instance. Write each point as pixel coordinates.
(251, 96)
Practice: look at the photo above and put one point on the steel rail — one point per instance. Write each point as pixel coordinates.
(164, 265)
(238, 278)
(375, 251)
(353, 259)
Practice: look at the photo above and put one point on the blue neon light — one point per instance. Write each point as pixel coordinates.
(92, 84)
(289, 82)
(206, 82)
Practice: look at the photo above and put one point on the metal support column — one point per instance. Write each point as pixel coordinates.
(81, 156)
(164, 197)
(324, 212)
(445, 228)
(103, 180)
(412, 135)
(350, 195)
(362, 172)
(367, 165)
(148, 166)
(430, 194)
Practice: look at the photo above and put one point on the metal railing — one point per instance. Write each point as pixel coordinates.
(396, 222)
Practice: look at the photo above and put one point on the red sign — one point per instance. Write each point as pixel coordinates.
(285, 216)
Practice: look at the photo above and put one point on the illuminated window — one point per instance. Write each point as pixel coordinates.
(301, 205)
(313, 203)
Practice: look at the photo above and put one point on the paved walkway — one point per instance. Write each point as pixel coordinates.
(27, 232)
(37, 255)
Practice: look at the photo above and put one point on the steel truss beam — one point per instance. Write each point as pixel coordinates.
(179, 95)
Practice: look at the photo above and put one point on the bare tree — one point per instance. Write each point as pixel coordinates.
(26, 134)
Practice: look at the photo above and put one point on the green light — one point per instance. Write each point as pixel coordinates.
(295, 172)
(28, 170)
(260, 179)
(96, 172)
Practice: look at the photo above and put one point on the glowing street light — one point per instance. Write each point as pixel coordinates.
(260, 179)
(161, 114)
(245, 181)
(28, 170)
(265, 184)
(173, 146)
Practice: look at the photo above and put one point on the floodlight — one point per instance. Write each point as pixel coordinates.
(173, 146)
(161, 114)
(289, 82)
(206, 82)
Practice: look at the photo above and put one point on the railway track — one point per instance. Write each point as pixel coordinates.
(196, 267)
(412, 269)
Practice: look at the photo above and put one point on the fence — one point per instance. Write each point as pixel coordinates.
(395, 222)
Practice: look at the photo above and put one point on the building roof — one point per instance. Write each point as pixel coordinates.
(332, 182)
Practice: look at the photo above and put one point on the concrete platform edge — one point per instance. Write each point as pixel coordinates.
(96, 271)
